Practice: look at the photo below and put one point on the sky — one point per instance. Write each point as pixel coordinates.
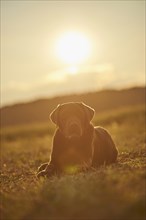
(50, 48)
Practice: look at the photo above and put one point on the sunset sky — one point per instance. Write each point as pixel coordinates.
(50, 48)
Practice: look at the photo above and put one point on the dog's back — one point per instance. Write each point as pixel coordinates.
(105, 151)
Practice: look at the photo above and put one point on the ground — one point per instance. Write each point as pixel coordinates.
(114, 192)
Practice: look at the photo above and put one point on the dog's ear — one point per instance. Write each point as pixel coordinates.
(54, 114)
(88, 111)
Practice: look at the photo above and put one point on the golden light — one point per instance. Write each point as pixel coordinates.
(71, 169)
(73, 70)
(73, 48)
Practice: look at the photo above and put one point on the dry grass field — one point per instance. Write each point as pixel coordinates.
(114, 192)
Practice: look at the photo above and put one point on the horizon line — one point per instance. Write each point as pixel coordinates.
(28, 101)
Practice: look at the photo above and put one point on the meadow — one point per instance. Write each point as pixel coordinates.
(114, 192)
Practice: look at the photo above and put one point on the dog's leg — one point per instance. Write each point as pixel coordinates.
(47, 172)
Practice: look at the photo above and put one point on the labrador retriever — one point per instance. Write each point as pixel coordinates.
(77, 144)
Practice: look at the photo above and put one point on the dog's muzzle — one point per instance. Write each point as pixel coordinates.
(74, 131)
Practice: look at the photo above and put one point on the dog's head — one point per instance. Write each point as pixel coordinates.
(72, 118)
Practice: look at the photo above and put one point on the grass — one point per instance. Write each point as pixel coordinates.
(114, 192)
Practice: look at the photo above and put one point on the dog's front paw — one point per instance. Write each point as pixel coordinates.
(42, 173)
(42, 167)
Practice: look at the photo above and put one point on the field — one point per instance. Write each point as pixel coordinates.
(114, 192)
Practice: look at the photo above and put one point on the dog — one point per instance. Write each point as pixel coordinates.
(77, 144)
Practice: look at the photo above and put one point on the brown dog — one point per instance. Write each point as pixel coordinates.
(77, 144)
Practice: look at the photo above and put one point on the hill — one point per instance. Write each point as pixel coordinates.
(39, 110)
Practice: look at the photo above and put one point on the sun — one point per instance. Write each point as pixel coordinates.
(73, 48)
